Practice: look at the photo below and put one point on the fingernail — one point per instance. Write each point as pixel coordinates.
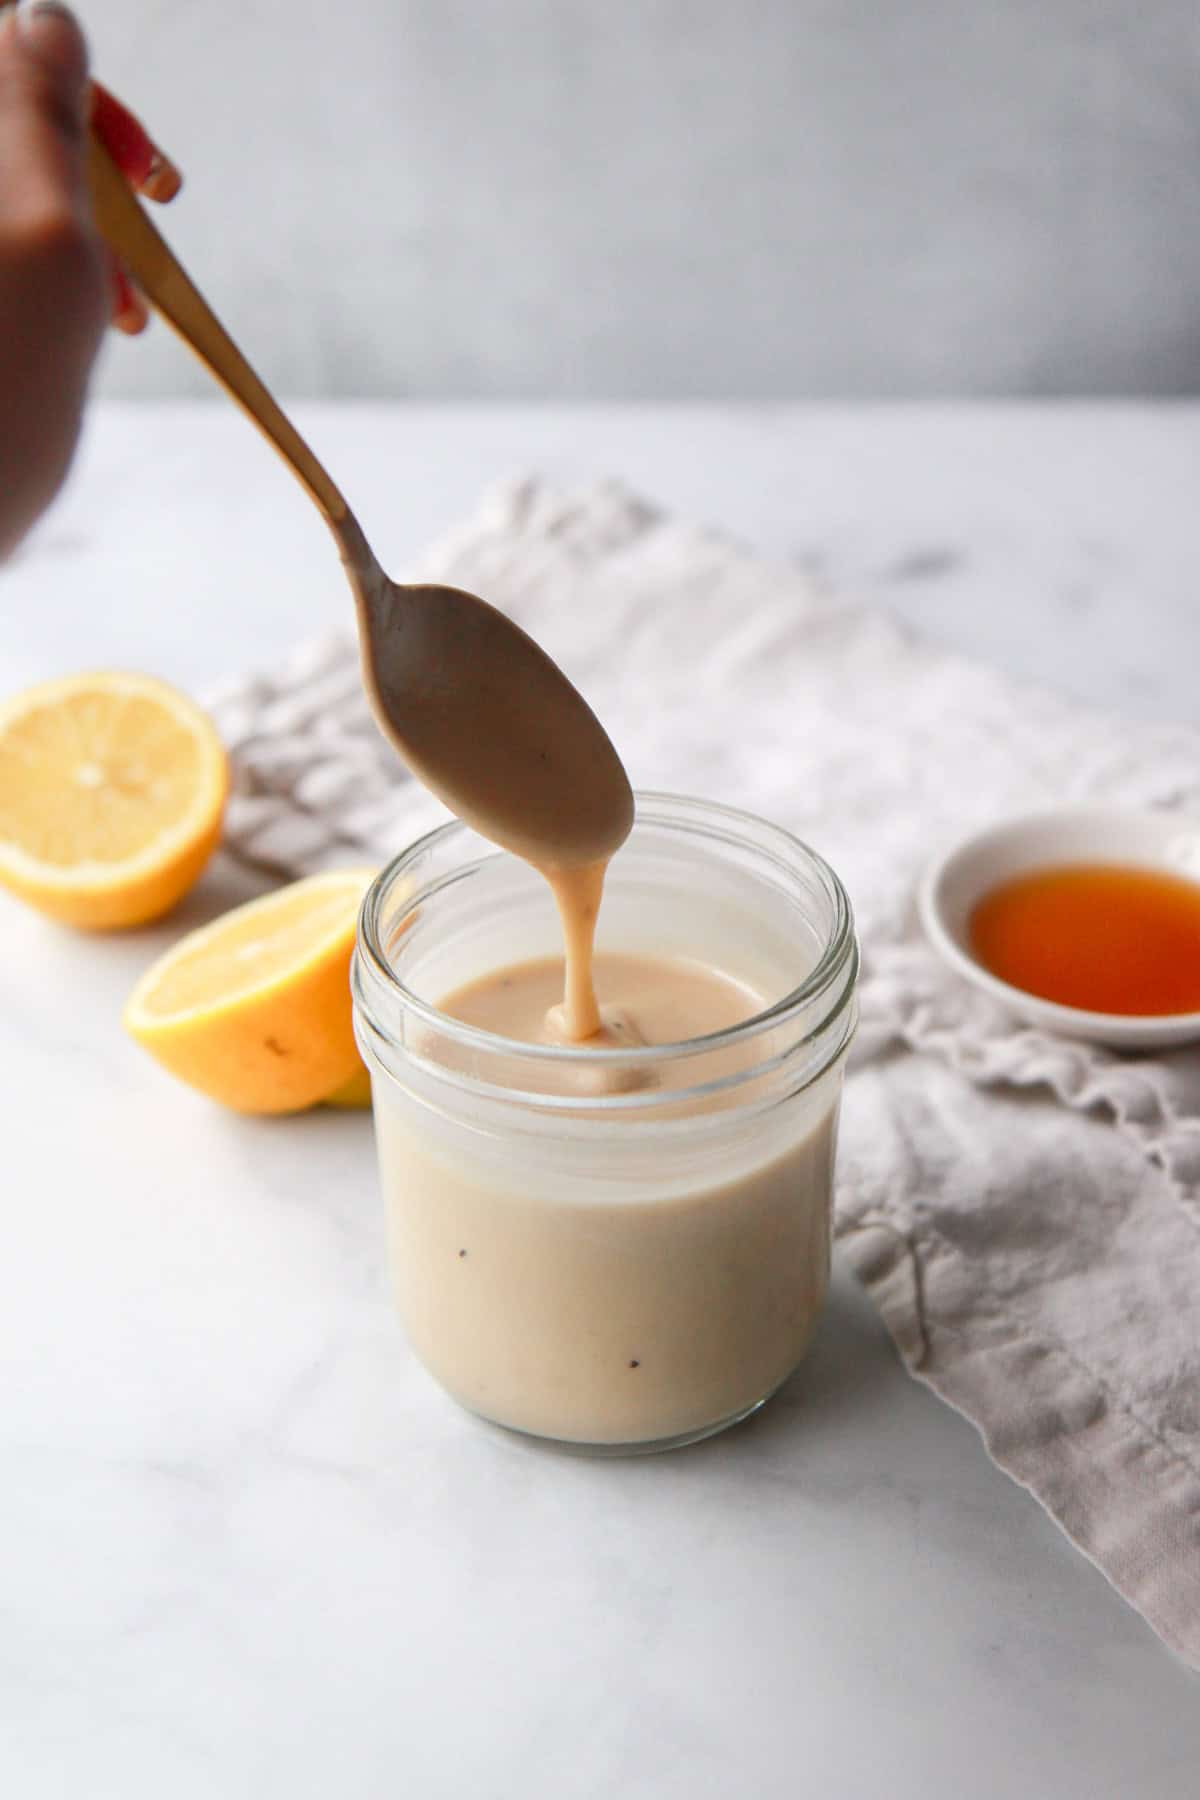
(122, 289)
(132, 314)
(163, 180)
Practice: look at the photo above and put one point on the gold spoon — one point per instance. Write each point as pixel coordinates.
(479, 713)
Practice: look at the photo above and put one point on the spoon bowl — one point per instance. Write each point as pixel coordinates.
(491, 725)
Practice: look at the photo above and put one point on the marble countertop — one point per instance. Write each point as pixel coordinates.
(249, 1549)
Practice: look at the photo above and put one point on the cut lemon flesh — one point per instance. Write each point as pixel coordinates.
(112, 788)
(254, 1009)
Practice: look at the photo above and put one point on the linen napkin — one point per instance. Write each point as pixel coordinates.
(1024, 1211)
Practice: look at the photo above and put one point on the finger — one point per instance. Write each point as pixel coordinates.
(130, 312)
(43, 78)
(50, 33)
(132, 148)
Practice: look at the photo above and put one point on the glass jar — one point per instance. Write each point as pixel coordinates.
(582, 1251)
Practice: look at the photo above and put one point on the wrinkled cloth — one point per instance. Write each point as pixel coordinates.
(1024, 1211)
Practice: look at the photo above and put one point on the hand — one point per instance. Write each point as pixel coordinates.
(58, 283)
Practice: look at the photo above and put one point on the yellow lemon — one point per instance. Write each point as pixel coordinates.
(254, 1009)
(112, 789)
(353, 1094)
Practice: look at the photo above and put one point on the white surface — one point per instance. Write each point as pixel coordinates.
(680, 198)
(249, 1547)
(957, 881)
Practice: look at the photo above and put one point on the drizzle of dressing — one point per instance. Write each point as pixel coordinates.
(577, 894)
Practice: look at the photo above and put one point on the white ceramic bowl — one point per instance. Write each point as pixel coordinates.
(1148, 840)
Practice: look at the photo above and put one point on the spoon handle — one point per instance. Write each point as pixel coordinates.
(127, 230)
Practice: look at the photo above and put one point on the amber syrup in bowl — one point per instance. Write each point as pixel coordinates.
(1083, 920)
(1109, 938)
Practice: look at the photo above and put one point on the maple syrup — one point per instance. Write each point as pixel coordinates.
(1103, 937)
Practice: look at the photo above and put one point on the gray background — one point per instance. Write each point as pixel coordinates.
(679, 198)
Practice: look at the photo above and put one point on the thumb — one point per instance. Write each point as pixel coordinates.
(43, 100)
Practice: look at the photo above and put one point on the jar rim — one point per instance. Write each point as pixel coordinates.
(836, 965)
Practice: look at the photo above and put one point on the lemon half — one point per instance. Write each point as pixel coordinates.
(254, 1009)
(112, 788)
